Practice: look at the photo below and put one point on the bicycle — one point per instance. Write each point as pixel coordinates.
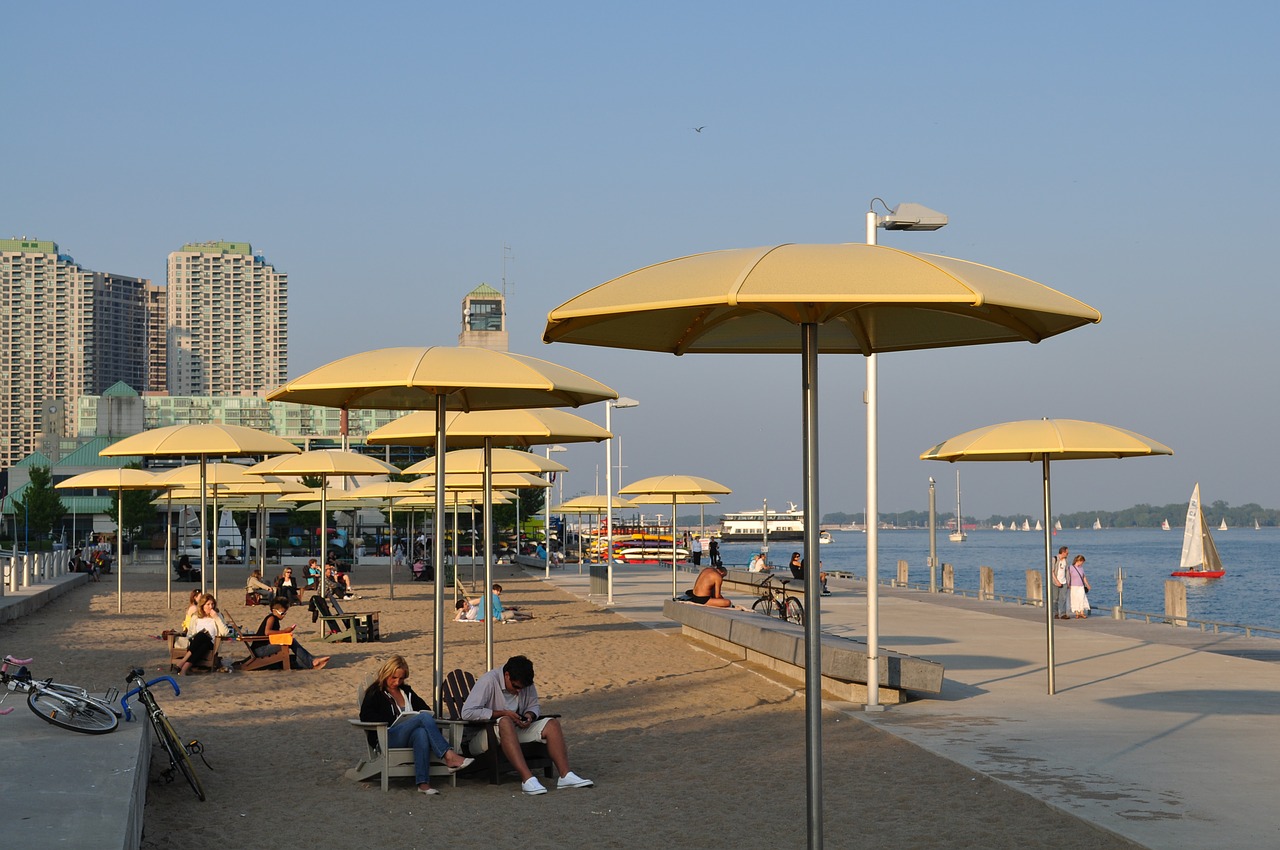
(775, 601)
(179, 753)
(68, 706)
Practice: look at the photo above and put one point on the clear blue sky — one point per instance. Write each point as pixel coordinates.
(383, 155)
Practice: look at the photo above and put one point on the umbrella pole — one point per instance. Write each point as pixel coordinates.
(324, 532)
(812, 588)
(487, 519)
(168, 549)
(674, 591)
(217, 526)
(873, 538)
(391, 544)
(1048, 577)
(437, 553)
(120, 551)
(204, 521)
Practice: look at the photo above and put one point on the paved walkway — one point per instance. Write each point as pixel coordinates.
(1164, 735)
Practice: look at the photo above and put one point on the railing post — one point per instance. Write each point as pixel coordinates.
(986, 583)
(1175, 603)
(948, 578)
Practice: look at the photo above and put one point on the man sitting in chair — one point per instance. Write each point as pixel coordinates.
(507, 698)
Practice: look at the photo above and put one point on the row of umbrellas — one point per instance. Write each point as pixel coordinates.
(799, 299)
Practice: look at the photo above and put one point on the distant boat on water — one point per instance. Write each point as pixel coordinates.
(1199, 553)
(999, 526)
(1057, 526)
(958, 535)
(1026, 525)
(1097, 524)
(1164, 525)
(1039, 527)
(1256, 527)
(1222, 526)
(824, 537)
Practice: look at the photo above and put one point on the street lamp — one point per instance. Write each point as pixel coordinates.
(902, 217)
(546, 510)
(608, 486)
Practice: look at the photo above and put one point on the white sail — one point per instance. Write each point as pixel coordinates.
(1192, 539)
(1164, 525)
(1026, 525)
(1256, 527)
(1222, 526)
(1057, 525)
(1039, 527)
(1097, 524)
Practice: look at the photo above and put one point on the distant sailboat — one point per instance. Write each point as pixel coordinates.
(1039, 527)
(1057, 526)
(1097, 524)
(958, 535)
(1164, 525)
(1222, 526)
(999, 526)
(1026, 525)
(1199, 554)
(1256, 527)
(1013, 525)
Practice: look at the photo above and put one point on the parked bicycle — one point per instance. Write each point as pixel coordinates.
(68, 706)
(179, 753)
(774, 601)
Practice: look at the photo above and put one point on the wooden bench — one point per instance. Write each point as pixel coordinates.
(779, 646)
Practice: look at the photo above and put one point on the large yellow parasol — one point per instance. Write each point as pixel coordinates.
(1045, 440)
(673, 487)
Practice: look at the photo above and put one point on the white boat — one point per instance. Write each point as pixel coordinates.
(1097, 524)
(1164, 525)
(824, 537)
(1222, 526)
(958, 535)
(1199, 554)
(1057, 525)
(1013, 525)
(749, 526)
(1026, 525)
(1039, 527)
(1256, 527)
(999, 526)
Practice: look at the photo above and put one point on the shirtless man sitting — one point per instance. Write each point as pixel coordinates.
(706, 589)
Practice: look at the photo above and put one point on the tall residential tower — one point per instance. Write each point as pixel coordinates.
(228, 317)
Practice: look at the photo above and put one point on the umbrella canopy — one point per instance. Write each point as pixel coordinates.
(200, 440)
(501, 460)
(475, 481)
(443, 379)
(591, 505)
(1046, 440)
(852, 298)
(519, 428)
(673, 487)
(120, 479)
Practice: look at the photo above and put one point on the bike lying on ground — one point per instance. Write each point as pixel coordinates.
(774, 601)
(179, 753)
(67, 706)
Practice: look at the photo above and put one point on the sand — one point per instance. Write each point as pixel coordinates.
(686, 748)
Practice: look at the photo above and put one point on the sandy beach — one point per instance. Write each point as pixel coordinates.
(687, 749)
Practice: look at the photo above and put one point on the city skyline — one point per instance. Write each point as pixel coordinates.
(1126, 165)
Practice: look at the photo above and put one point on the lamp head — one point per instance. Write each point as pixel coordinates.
(624, 402)
(912, 217)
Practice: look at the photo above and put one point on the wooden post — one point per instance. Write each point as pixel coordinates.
(902, 573)
(1175, 602)
(1035, 587)
(986, 583)
(948, 578)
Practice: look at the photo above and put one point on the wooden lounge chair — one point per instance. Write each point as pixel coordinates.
(363, 624)
(178, 650)
(279, 656)
(454, 692)
(382, 761)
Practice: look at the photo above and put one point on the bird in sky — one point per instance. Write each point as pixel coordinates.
(698, 129)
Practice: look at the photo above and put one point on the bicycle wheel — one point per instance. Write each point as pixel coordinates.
(763, 605)
(72, 711)
(793, 611)
(179, 758)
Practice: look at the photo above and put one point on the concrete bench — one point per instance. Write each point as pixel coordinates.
(779, 646)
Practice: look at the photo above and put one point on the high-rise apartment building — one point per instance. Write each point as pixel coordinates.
(228, 321)
(64, 331)
(157, 340)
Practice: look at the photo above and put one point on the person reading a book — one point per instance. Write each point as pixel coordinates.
(390, 700)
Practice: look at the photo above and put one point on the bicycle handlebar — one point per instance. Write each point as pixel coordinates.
(9, 659)
(124, 700)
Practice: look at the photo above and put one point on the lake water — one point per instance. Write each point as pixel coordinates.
(1246, 595)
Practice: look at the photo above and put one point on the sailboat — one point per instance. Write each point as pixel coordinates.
(1057, 525)
(1222, 526)
(999, 526)
(1199, 554)
(1026, 525)
(1256, 527)
(1164, 525)
(1039, 527)
(1097, 524)
(958, 535)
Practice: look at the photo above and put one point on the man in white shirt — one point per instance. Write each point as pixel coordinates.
(1058, 586)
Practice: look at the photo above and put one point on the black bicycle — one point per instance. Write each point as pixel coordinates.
(179, 753)
(68, 706)
(774, 601)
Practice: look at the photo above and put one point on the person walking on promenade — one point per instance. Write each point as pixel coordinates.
(1079, 584)
(1058, 585)
(696, 551)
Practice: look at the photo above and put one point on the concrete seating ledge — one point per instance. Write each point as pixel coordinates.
(779, 646)
(18, 603)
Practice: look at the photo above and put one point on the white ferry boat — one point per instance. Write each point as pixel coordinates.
(748, 526)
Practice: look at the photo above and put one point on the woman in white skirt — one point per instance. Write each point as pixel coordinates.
(1079, 585)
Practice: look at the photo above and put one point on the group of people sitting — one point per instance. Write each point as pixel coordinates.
(293, 587)
(204, 622)
(474, 610)
(505, 697)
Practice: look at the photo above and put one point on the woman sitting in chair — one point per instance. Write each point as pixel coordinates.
(288, 586)
(299, 658)
(390, 700)
(206, 625)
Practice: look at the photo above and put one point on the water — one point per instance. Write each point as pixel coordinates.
(1246, 595)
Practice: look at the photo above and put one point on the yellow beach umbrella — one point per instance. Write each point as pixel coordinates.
(119, 479)
(1046, 440)
(442, 379)
(673, 487)
(200, 440)
(472, 461)
(804, 299)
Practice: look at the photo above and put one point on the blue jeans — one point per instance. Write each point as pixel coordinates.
(420, 732)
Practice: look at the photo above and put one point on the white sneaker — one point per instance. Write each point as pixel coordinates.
(573, 780)
(532, 787)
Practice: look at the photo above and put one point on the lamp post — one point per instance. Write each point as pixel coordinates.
(608, 485)
(546, 511)
(933, 536)
(902, 217)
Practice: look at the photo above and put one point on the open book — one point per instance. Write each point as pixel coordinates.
(404, 714)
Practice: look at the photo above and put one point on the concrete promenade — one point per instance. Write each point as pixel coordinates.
(1163, 735)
